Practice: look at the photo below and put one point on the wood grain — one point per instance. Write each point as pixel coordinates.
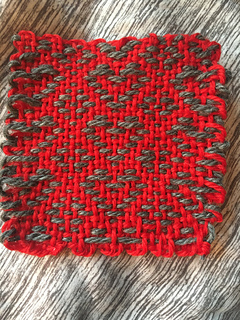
(70, 287)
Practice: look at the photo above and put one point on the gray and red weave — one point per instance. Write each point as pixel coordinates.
(113, 145)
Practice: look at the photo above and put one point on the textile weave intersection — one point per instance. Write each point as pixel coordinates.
(116, 146)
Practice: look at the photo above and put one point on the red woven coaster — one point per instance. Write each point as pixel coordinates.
(114, 145)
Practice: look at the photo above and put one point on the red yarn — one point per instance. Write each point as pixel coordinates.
(114, 145)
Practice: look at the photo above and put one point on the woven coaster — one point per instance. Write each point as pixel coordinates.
(113, 145)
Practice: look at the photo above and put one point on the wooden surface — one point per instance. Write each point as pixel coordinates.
(70, 287)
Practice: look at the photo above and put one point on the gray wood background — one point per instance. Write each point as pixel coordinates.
(70, 287)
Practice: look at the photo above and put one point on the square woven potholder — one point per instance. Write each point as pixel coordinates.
(113, 145)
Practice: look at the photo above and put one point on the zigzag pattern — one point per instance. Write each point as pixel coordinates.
(114, 145)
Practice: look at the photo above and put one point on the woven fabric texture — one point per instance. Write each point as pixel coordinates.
(113, 145)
